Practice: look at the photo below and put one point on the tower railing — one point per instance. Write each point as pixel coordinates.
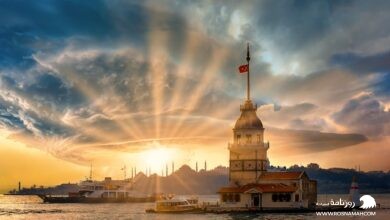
(251, 145)
(245, 107)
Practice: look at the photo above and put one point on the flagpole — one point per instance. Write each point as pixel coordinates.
(248, 58)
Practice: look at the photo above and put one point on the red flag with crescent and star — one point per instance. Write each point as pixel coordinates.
(243, 68)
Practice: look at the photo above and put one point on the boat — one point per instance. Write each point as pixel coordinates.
(106, 191)
(176, 205)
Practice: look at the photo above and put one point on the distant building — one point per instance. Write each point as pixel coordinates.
(313, 166)
(250, 184)
(295, 166)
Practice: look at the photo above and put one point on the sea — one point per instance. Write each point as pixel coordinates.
(31, 207)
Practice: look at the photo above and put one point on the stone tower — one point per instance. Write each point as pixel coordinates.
(248, 152)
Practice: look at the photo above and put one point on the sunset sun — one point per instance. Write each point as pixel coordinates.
(157, 158)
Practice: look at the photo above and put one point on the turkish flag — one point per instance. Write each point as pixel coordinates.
(243, 68)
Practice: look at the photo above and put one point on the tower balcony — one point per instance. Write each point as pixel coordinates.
(248, 146)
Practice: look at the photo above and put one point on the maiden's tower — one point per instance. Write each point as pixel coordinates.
(251, 186)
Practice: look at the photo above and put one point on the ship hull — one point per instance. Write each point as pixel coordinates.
(187, 211)
(58, 199)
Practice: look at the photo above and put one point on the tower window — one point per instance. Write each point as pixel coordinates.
(237, 197)
(258, 138)
(238, 139)
(248, 138)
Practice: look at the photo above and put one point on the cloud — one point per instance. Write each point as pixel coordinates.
(302, 116)
(307, 141)
(301, 36)
(363, 64)
(52, 18)
(364, 114)
(376, 66)
(100, 101)
(130, 72)
(381, 86)
(305, 124)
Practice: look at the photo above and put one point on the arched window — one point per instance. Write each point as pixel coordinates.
(238, 139)
(259, 138)
(237, 197)
(248, 138)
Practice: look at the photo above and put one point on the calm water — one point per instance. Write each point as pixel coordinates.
(31, 207)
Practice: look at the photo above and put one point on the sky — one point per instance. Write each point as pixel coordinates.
(148, 83)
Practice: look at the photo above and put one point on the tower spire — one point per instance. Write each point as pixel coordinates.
(248, 58)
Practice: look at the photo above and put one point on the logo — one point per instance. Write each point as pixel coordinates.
(368, 202)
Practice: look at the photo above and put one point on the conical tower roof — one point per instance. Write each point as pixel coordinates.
(248, 118)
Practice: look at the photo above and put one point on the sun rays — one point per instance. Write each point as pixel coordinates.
(171, 92)
(181, 99)
(193, 97)
(93, 96)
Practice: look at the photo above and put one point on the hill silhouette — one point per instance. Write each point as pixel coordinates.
(187, 181)
(183, 181)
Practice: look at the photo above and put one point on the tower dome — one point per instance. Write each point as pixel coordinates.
(248, 118)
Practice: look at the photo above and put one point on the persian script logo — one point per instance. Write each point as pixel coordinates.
(368, 202)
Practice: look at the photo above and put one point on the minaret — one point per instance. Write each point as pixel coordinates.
(248, 152)
(124, 172)
(90, 173)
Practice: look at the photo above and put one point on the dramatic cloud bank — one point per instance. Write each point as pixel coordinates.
(111, 76)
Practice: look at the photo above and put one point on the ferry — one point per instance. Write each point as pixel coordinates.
(176, 205)
(106, 191)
